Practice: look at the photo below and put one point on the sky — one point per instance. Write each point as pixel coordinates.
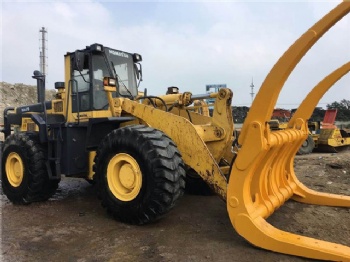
(188, 44)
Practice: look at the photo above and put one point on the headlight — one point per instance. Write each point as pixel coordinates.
(96, 48)
(172, 90)
(109, 81)
(137, 58)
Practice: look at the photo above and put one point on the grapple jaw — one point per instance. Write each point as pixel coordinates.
(265, 183)
(262, 177)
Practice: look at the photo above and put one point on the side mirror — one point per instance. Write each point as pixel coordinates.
(78, 60)
(138, 71)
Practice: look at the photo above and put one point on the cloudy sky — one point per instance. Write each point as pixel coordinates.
(188, 44)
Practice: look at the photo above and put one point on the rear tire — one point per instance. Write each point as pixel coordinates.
(195, 185)
(307, 147)
(139, 174)
(24, 175)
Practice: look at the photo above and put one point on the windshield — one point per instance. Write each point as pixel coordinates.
(124, 67)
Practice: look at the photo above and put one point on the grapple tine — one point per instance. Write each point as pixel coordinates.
(262, 177)
(269, 237)
(302, 193)
(309, 196)
(268, 183)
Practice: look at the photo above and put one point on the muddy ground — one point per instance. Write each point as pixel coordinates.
(72, 226)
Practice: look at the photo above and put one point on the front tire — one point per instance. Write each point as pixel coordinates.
(139, 174)
(307, 147)
(24, 175)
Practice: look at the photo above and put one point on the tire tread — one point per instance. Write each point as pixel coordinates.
(164, 185)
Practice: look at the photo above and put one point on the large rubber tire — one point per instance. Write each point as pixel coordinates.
(307, 147)
(24, 175)
(195, 185)
(139, 174)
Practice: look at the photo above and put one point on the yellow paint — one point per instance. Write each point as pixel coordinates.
(28, 125)
(308, 105)
(332, 137)
(262, 177)
(70, 117)
(91, 174)
(124, 177)
(200, 107)
(14, 169)
(202, 146)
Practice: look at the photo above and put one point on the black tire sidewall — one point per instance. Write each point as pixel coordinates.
(15, 193)
(161, 167)
(308, 148)
(35, 185)
(143, 167)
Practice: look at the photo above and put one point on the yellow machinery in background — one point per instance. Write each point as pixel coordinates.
(138, 148)
(323, 136)
(329, 137)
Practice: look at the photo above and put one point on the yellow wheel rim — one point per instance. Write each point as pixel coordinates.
(124, 177)
(14, 169)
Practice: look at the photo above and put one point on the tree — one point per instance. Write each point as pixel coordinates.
(346, 103)
(336, 105)
(343, 109)
(343, 104)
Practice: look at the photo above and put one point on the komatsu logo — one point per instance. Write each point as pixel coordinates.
(25, 109)
(113, 52)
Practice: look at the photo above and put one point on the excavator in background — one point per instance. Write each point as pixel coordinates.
(138, 149)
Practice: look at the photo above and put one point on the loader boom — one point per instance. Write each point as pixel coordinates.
(191, 138)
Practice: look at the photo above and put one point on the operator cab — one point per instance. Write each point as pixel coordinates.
(91, 65)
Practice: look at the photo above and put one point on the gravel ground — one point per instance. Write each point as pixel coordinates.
(72, 226)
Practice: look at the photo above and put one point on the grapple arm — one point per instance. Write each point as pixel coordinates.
(262, 177)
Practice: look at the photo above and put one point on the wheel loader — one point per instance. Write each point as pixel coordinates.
(138, 148)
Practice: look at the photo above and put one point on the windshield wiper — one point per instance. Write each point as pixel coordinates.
(121, 81)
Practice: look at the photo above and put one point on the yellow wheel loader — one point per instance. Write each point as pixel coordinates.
(137, 148)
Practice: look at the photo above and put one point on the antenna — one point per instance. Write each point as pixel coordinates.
(252, 90)
(43, 49)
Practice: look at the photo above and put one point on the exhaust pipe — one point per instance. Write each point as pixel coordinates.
(40, 78)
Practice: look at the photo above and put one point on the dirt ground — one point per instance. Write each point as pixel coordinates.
(72, 226)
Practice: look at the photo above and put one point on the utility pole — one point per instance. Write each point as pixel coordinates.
(43, 49)
(252, 90)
